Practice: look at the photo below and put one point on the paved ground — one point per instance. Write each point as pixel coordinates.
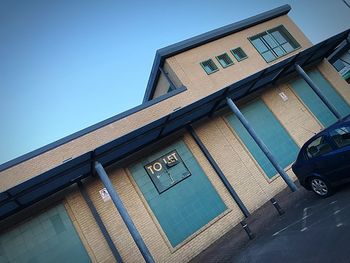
(311, 230)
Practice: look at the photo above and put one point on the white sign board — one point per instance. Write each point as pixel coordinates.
(283, 96)
(105, 195)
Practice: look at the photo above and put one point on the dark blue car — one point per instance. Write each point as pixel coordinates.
(324, 161)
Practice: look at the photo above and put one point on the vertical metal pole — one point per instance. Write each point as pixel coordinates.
(218, 171)
(277, 206)
(124, 214)
(100, 223)
(261, 144)
(316, 89)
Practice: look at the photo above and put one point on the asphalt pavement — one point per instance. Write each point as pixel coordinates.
(311, 230)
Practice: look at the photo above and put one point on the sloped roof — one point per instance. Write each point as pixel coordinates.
(202, 39)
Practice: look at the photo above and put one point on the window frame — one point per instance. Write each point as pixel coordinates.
(223, 54)
(335, 144)
(327, 139)
(291, 40)
(236, 57)
(208, 73)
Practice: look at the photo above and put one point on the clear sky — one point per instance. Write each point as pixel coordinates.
(65, 65)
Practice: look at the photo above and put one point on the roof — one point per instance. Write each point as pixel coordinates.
(71, 172)
(202, 39)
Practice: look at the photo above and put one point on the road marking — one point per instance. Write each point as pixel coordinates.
(303, 224)
(335, 213)
(308, 215)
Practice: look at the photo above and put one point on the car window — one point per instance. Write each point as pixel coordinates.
(341, 136)
(318, 147)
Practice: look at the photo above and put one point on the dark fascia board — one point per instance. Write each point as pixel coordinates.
(89, 129)
(205, 38)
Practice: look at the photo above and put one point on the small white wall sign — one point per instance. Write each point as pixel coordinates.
(283, 96)
(105, 195)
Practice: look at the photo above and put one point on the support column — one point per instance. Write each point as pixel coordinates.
(100, 223)
(316, 89)
(218, 171)
(123, 212)
(223, 178)
(261, 144)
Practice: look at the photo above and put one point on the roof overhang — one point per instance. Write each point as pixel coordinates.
(56, 179)
(205, 38)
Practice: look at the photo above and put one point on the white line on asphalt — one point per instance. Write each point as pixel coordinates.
(304, 217)
(335, 213)
(303, 224)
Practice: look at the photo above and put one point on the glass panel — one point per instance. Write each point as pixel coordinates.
(288, 47)
(209, 66)
(48, 237)
(341, 136)
(259, 45)
(268, 128)
(315, 104)
(272, 43)
(225, 60)
(278, 37)
(318, 147)
(187, 206)
(339, 65)
(239, 53)
(268, 56)
(279, 51)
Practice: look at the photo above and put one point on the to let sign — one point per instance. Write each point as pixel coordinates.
(167, 170)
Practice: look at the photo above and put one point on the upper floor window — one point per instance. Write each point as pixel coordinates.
(274, 43)
(239, 53)
(209, 66)
(224, 60)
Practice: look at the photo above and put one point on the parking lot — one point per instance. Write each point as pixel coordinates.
(311, 230)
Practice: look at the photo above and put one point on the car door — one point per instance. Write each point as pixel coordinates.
(340, 137)
(321, 158)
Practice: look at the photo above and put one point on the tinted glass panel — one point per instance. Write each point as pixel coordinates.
(269, 56)
(268, 128)
(270, 41)
(315, 104)
(277, 40)
(188, 205)
(48, 237)
(259, 45)
(341, 136)
(318, 147)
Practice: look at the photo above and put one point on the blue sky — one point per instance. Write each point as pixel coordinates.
(65, 65)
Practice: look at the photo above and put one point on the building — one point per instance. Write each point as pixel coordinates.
(181, 168)
(340, 60)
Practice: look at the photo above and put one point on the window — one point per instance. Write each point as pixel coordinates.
(318, 147)
(224, 60)
(239, 54)
(315, 104)
(189, 204)
(209, 66)
(171, 88)
(274, 43)
(341, 136)
(270, 130)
